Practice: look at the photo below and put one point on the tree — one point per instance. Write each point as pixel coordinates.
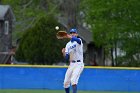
(27, 12)
(39, 44)
(115, 24)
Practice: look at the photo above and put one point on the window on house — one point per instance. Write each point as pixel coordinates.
(6, 27)
(0, 29)
(6, 48)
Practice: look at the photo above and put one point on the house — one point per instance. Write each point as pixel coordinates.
(6, 23)
(93, 55)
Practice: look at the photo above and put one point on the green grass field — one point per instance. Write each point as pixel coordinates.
(54, 91)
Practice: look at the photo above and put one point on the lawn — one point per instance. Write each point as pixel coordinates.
(54, 91)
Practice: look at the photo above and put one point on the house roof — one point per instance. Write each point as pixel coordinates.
(85, 34)
(3, 10)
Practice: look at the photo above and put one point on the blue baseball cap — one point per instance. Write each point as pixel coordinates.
(73, 30)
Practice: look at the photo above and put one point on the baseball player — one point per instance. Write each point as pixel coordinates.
(73, 52)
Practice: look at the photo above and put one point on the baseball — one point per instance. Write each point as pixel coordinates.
(57, 27)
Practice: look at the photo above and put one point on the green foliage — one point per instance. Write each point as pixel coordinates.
(39, 44)
(27, 12)
(115, 21)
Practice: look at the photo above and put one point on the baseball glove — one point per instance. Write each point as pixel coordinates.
(61, 34)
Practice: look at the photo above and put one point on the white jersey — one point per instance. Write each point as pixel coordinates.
(74, 50)
(76, 66)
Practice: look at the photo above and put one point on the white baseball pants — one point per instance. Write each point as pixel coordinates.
(73, 73)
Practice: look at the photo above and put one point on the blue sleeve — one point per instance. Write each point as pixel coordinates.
(76, 39)
(67, 57)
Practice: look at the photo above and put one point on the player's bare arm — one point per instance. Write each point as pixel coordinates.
(66, 55)
(63, 52)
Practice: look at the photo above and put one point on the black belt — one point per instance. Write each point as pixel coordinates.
(73, 61)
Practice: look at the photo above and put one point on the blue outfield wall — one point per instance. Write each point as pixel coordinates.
(48, 77)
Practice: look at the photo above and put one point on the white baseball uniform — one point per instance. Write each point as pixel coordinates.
(76, 66)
